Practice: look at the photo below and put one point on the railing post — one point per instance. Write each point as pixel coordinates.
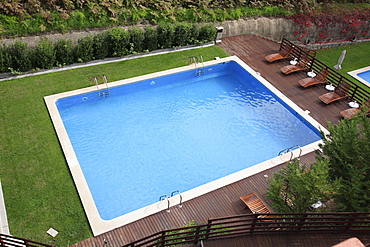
(301, 222)
(163, 238)
(208, 230)
(351, 220)
(254, 221)
(197, 231)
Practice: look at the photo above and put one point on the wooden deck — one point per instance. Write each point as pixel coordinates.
(225, 201)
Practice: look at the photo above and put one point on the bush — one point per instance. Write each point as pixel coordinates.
(166, 32)
(64, 52)
(347, 149)
(207, 33)
(136, 38)
(119, 41)
(20, 57)
(44, 55)
(151, 38)
(85, 49)
(101, 45)
(182, 34)
(5, 59)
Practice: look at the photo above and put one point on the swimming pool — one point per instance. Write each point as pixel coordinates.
(222, 108)
(363, 75)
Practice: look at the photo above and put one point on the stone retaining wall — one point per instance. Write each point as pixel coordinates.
(270, 28)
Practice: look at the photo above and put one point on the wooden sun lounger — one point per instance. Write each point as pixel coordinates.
(283, 53)
(255, 204)
(320, 78)
(300, 66)
(352, 112)
(340, 92)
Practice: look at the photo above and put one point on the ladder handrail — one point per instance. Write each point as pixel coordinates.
(178, 192)
(102, 92)
(287, 150)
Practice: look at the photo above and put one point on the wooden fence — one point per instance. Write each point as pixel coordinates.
(258, 224)
(357, 93)
(11, 241)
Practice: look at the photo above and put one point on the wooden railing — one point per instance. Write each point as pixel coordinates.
(258, 224)
(11, 241)
(357, 93)
(297, 51)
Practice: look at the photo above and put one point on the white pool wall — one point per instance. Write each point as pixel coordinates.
(99, 225)
(354, 74)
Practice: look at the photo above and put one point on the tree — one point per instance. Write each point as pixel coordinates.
(296, 187)
(347, 151)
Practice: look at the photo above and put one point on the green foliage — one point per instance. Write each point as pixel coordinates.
(64, 52)
(295, 187)
(137, 37)
(44, 55)
(166, 35)
(119, 40)
(5, 59)
(85, 49)
(347, 149)
(20, 56)
(101, 45)
(207, 33)
(151, 38)
(182, 34)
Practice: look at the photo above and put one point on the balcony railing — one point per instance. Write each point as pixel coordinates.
(258, 224)
(11, 241)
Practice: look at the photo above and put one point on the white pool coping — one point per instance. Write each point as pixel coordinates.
(99, 225)
(354, 73)
(4, 226)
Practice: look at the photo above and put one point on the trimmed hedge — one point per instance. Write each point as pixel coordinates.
(115, 42)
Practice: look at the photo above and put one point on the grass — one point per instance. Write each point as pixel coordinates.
(357, 56)
(38, 188)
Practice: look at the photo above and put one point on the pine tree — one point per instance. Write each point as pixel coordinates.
(347, 150)
(295, 188)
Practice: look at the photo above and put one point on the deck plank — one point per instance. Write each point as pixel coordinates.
(225, 201)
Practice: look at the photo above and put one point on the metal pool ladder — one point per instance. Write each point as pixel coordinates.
(165, 197)
(287, 150)
(101, 85)
(198, 71)
(178, 192)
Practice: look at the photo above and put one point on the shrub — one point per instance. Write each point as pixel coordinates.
(207, 33)
(136, 38)
(294, 188)
(64, 52)
(85, 49)
(5, 59)
(347, 149)
(151, 38)
(166, 33)
(44, 55)
(119, 40)
(182, 34)
(20, 57)
(101, 45)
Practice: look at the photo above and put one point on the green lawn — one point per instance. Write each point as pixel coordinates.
(357, 57)
(38, 188)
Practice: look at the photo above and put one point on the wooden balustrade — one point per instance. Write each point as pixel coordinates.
(11, 241)
(259, 224)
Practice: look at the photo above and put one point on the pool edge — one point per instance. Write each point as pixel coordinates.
(99, 225)
(354, 73)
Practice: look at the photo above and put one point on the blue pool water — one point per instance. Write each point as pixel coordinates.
(365, 75)
(176, 132)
